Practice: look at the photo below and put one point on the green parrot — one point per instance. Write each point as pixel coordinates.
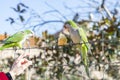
(17, 39)
(78, 35)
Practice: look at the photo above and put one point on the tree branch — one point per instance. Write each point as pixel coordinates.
(55, 10)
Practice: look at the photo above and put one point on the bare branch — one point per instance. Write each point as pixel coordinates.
(96, 2)
(106, 9)
(108, 12)
(46, 22)
(50, 21)
(91, 3)
(56, 11)
(68, 8)
(51, 11)
(103, 3)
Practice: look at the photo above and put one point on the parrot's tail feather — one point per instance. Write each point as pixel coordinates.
(87, 71)
(4, 47)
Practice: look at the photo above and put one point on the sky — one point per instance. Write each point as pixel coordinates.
(41, 7)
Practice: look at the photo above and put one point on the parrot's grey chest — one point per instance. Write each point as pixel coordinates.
(74, 34)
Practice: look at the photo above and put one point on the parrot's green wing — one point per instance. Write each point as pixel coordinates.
(17, 37)
(9, 45)
(84, 38)
(85, 59)
(83, 35)
(81, 32)
(85, 47)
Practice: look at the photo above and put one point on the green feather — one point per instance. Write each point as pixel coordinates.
(9, 45)
(85, 47)
(72, 23)
(84, 52)
(16, 39)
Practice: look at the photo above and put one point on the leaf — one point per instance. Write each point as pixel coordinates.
(23, 11)
(107, 21)
(18, 8)
(14, 9)
(23, 5)
(11, 20)
(21, 18)
(110, 30)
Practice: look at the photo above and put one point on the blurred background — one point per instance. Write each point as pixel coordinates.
(55, 58)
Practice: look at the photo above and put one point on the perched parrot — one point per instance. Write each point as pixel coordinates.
(16, 40)
(78, 35)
